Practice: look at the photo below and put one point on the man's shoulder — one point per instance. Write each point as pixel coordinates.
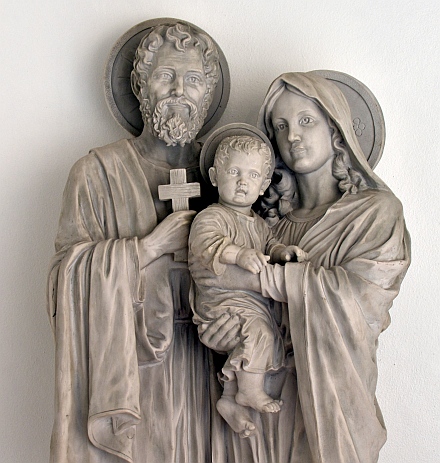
(108, 154)
(104, 160)
(117, 149)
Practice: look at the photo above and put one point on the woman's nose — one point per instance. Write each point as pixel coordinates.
(293, 135)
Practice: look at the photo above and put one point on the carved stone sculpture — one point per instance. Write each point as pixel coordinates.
(230, 233)
(133, 381)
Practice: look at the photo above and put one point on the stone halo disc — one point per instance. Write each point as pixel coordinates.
(210, 146)
(121, 100)
(367, 116)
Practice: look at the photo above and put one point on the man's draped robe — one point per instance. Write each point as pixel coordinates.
(132, 381)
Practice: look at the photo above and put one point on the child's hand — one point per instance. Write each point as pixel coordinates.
(251, 260)
(291, 254)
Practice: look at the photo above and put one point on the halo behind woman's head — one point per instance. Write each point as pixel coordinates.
(333, 102)
(237, 129)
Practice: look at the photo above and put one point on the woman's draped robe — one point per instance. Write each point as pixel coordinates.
(132, 381)
(338, 304)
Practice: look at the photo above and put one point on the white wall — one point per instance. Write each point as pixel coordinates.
(52, 56)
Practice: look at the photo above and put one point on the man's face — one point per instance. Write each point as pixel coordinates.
(176, 89)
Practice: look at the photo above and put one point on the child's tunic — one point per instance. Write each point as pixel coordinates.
(260, 348)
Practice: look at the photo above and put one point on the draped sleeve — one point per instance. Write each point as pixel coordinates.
(210, 234)
(338, 304)
(94, 291)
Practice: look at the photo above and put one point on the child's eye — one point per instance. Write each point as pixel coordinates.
(255, 175)
(233, 171)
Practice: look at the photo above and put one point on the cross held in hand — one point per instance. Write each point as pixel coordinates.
(179, 191)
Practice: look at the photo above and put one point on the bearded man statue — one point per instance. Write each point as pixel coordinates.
(132, 381)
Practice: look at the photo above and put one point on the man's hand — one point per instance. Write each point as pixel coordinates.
(251, 260)
(222, 334)
(168, 237)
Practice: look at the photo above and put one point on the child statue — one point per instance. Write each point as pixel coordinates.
(231, 233)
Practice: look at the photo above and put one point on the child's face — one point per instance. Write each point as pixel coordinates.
(240, 179)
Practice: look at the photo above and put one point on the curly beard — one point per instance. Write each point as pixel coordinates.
(175, 127)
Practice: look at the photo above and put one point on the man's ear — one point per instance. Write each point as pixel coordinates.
(265, 186)
(135, 85)
(213, 175)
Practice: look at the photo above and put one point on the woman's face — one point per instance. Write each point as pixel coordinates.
(302, 133)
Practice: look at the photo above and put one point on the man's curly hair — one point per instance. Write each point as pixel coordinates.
(182, 36)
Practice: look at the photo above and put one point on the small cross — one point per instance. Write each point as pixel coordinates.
(179, 192)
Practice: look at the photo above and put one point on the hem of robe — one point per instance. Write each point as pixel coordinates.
(113, 432)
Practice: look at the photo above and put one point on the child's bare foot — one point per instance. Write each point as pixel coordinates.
(259, 401)
(236, 416)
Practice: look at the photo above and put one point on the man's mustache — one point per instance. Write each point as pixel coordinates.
(177, 101)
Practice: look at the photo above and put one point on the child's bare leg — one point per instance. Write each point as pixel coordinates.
(251, 393)
(235, 415)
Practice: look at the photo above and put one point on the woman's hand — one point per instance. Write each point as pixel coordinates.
(222, 334)
(283, 254)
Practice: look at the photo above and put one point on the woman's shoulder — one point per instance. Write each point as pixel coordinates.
(378, 206)
(381, 198)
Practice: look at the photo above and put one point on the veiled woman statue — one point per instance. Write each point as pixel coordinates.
(331, 309)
